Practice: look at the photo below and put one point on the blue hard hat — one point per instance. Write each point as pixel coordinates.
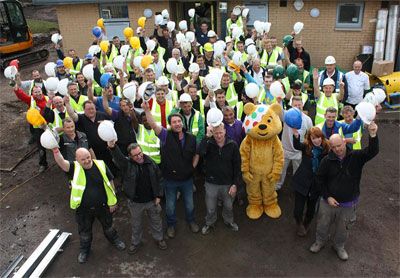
(88, 56)
(104, 79)
(97, 32)
(59, 63)
(293, 118)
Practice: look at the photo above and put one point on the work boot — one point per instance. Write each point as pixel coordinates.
(232, 226)
(171, 232)
(82, 258)
(341, 253)
(132, 249)
(119, 244)
(162, 244)
(316, 247)
(194, 227)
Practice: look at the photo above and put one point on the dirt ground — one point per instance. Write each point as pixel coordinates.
(263, 247)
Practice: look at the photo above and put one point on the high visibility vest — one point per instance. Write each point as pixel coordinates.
(286, 84)
(109, 59)
(33, 85)
(305, 74)
(322, 104)
(201, 80)
(279, 49)
(119, 91)
(75, 70)
(239, 23)
(265, 96)
(57, 119)
(33, 105)
(156, 110)
(149, 143)
(338, 77)
(273, 59)
(231, 95)
(79, 184)
(304, 98)
(195, 126)
(78, 107)
(356, 135)
(239, 110)
(174, 96)
(161, 52)
(201, 105)
(132, 56)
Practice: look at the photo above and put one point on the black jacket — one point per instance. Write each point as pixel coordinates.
(131, 170)
(304, 179)
(341, 180)
(294, 54)
(223, 165)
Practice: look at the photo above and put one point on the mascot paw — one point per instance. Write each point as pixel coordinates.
(273, 211)
(274, 177)
(254, 211)
(247, 177)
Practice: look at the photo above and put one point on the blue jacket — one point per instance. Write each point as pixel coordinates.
(353, 127)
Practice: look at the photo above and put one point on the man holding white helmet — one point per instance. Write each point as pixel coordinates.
(56, 115)
(331, 72)
(192, 119)
(193, 78)
(108, 94)
(29, 84)
(161, 107)
(338, 176)
(172, 95)
(234, 19)
(77, 99)
(358, 84)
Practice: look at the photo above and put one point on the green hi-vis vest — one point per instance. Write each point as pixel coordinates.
(78, 107)
(194, 129)
(304, 98)
(231, 95)
(57, 119)
(109, 59)
(79, 184)
(33, 105)
(273, 59)
(265, 97)
(239, 110)
(156, 110)
(239, 23)
(356, 135)
(75, 70)
(129, 57)
(149, 143)
(322, 104)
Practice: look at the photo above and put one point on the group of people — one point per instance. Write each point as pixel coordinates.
(163, 140)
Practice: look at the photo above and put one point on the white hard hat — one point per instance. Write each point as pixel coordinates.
(366, 111)
(191, 13)
(50, 69)
(251, 49)
(247, 42)
(252, 90)
(266, 26)
(186, 45)
(194, 67)
(245, 12)
(370, 98)
(125, 49)
(181, 69)
(150, 44)
(237, 10)
(180, 37)
(258, 25)
(62, 86)
(171, 26)
(328, 81)
(218, 72)
(228, 39)
(162, 80)
(190, 36)
(276, 89)
(10, 72)
(218, 50)
(298, 26)
(165, 13)
(214, 117)
(380, 95)
(106, 131)
(211, 34)
(118, 62)
(233, 25)
(88, 72)
(138, 30)
(212, 81)
(183, 25)
(222, 43)
(237, 58)
(94, 49)
(237, 32)
(129, 91)
(172, 65)
(330, 60)
(158, 19)
(185, 97)
(48, 140)
(137, 62)
(51, 84)
(55, 38)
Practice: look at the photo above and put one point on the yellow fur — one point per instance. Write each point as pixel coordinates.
(262, 162)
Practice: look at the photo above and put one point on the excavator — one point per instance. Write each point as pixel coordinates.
(16, 40)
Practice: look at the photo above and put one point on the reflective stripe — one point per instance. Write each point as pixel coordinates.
(78, 107)
(286, 84)
(356, 135)
(273, 59)
(322, 104)
(77, 69)
(304, 98)
(231, 96)
(239, 110)
(195, 125)
(149, 143)
(78, 187)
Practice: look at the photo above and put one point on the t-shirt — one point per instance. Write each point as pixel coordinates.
(144, 191)
(84, 124)
(95, 193)
(114, 104)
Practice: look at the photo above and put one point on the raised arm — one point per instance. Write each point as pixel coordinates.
(64, 164)
(70, 110)
(150, 119)
(315, 75)
(106, 107)
(90, 91)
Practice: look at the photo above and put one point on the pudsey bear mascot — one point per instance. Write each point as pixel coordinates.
(262, 159)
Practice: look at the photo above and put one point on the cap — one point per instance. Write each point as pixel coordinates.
(211, 34)
(185, 97)
(208, 47)
(59, 63)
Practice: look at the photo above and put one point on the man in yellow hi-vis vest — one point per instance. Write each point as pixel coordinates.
(92, 196)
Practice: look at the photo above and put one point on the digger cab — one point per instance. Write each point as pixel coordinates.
(15, 35)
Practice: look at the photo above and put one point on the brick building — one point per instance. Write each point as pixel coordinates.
(340, 29)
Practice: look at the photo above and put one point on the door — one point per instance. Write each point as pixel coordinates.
(206, 11)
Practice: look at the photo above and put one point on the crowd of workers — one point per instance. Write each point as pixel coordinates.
(162, 141)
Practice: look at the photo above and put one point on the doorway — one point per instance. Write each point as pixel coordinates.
(206, 11)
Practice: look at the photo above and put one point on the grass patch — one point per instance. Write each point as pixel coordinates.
(41, 26)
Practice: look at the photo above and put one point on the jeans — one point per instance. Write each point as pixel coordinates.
(344, 218)
(213, 192)
(171, 187)
(153, 212)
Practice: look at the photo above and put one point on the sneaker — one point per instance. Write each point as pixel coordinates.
(162, 244)
(316, 247)
(132, 249)
(205, 230)
(171, 232)
(233, 226)
(341, 253)
(119, 244)
(42, 168)
(82, 257)
(194, 227)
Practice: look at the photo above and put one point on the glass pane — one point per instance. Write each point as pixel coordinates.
(349, 14)
(114, 11)
(3, 16)
(16, 17)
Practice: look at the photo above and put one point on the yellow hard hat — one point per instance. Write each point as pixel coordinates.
(100, 23)
(141, 21)
(135, 42)
(104, 45)
(128, 32)
(233, 67)
(146, 61)
(34, 117)
(67, 62)
(208, 47)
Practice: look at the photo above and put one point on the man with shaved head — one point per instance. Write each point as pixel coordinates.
(92, 196)
(338, 177)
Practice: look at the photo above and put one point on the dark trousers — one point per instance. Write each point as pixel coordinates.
(299, 203)
(85, 218)
(37, 132)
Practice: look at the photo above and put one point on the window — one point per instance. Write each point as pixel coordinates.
(257, 11)
(349, 16)
(113, 11)
(116, 19)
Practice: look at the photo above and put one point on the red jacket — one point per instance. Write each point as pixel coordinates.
(40, 103)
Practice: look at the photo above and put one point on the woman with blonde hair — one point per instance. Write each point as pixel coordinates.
(314, 148)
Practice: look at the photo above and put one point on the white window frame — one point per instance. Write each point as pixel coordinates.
(254, 4)
(350, 26)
